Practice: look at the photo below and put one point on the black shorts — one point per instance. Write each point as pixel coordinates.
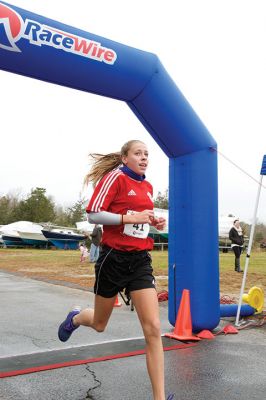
(118, 270)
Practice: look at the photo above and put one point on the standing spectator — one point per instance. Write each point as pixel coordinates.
(237, 238)
(84, 253)
(96, 238)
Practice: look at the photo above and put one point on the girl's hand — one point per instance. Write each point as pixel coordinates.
(143, 217)
(159, 223)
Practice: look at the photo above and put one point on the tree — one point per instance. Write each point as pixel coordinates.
(62, 217)
(5, 210)
(77, 212)
(245, 228)
(37, 207)
(161, 201)
(8, 208)
(258, 237)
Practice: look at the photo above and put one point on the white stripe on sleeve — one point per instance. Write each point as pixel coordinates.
(99, 199)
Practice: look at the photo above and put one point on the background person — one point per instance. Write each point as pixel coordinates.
(237, 239)
(84, 253)
(96, 237)
(122, 203)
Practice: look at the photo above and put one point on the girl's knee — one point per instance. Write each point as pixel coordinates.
(99, 326)
(152, 329)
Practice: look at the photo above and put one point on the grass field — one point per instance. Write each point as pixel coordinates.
(64, 267)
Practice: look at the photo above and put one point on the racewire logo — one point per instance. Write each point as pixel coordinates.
(11, 25)
(13, 28)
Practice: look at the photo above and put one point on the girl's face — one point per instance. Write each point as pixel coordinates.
(137, 158)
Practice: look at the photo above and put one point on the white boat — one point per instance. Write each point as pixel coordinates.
(33, 235)
(225, 224)
(21, 233)
(10, 235)
(1, 240)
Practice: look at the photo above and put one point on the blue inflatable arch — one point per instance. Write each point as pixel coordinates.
(35, 46)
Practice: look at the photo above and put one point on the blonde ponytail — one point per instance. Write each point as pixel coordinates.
(104, 163)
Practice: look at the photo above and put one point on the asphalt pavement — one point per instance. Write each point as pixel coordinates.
(228, 367)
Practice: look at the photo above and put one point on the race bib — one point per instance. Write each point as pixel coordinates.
(140, 231)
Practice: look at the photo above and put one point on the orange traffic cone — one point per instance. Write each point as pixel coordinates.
(205, 334)
(183, 325)
(117, 302)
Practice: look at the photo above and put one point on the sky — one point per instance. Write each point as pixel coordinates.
(214, 50)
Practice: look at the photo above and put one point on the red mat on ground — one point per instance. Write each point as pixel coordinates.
(53, 359)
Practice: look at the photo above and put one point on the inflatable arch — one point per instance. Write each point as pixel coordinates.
(41, 48)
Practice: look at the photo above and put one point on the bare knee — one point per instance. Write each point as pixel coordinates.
(99, 326)
(152, 329)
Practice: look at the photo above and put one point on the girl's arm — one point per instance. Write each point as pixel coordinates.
(108, 218)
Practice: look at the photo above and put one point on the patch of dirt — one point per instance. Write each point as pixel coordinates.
(66, 269)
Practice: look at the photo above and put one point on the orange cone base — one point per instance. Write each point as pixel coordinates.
(229, 329)
(181, 337)
(118, 305)
(205, 334)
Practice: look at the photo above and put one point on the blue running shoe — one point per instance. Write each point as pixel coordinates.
(170, 397)
(66, 328)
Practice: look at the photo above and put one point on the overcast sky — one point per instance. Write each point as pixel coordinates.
(213, 49)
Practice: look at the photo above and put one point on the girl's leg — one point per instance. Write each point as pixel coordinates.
(98, 317)
(147, 307)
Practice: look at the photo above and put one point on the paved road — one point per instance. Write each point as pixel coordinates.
(231, 366)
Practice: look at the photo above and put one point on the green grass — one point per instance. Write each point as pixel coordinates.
(65, 266)
(257, 262)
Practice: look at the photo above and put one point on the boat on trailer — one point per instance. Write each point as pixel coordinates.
(64, 238)
(11, 233)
